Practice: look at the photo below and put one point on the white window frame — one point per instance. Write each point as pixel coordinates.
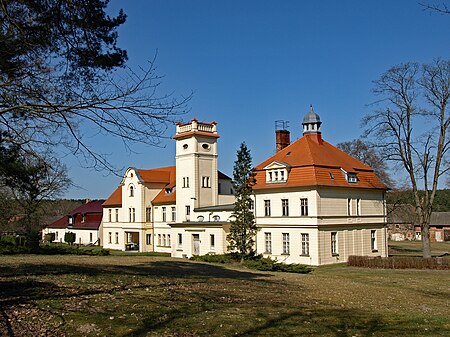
(110, 215)
(286, 248)
(285, 207)
(334, 244)
(148, 239)
(174, 213)
(164, 214)
(268, 242)
(267, 211)
(212, 241)
(303, 206)
(305, 244)
(373, 240)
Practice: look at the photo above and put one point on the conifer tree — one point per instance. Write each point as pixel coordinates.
(243, 228)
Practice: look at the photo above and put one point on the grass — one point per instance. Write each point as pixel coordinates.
(414, 248)
(135, 295)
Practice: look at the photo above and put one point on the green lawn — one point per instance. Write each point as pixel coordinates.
(414, 248)
(159, 296)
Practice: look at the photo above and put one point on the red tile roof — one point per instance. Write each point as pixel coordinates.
(158, 175)
(115, 199)
(312, 161)
(92, 211)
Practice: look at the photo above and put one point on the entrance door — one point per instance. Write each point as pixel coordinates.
(196, 242)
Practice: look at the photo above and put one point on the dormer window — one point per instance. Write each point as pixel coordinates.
(169, 191)
(351, 178)
(276, 172)
(70, 220)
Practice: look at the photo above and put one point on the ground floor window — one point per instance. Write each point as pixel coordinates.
(110, 237)
(305, 244)
(268, 242)
(373, 240)
(56, 236)
(90, 237)
(180, 239)
(334, 243)
(285, 243)
(117, 238)
(148, 239)
(168, 240)
(212, 240)
(159, 239)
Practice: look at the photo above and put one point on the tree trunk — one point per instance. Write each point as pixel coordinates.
(426, 248)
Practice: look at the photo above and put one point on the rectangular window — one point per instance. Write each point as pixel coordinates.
(303, 207)
(270, 176)
(267, 207)
(163, 214)
(282, 175)
(188, 210)
(212, 241)
(276, 175)
(285, 207)
(180, 239)
(83, 217)
(117, 238)
(268, 242)
(159, 239)
(305, 244)
(373, 240)
(334, 250)
(109, 237)
(148, 239)
(164, 239)
(251, 205)
(134, 214)
(90, 237)
(185, 182)
(117, 215)
(358, 207)
(285, 243)
(206, 182)
(129, 214)
(148, 214)
(56, 236)
(110, 215)
(168, 240)
(174, 214)
(349, 206)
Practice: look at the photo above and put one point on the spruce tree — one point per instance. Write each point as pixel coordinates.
(243, 228)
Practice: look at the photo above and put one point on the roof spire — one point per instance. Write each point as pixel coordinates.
(311, 122)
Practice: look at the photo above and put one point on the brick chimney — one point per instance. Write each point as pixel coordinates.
(283, 139)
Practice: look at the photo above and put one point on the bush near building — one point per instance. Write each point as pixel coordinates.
(399, 262)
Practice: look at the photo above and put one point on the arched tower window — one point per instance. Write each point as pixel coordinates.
(131, 191)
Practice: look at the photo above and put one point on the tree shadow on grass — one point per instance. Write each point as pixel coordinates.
(157, 268)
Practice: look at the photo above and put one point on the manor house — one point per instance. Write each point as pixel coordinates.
(313, 203)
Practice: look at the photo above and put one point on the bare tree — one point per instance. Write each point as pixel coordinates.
(441, 8)
(62, 76)
(368, 154)
(410, 127)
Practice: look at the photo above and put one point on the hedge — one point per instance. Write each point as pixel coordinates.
(399, 262)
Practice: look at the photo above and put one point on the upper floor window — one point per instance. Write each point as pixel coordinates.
(163, 214)
(110, 215)
(303, 207)
(349, 206)
(251, 205)
(117, 215)
(278, 175)
(188, 210)
(132, 214)
(131, 191)
(70, 220)
(285, 207)
(206, 182)
(358, 206)
(174, 214)
(148, 214)
(83, 217)
(266, 207)
(185, 181)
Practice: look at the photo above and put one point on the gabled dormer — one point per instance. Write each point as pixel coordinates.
(350, 176)
(277, 172)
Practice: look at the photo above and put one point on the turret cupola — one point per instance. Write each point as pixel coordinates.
(311, 122)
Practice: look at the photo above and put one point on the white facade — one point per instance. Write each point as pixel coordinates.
(311, 225)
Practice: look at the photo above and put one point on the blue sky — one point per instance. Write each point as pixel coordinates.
(250, 63)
